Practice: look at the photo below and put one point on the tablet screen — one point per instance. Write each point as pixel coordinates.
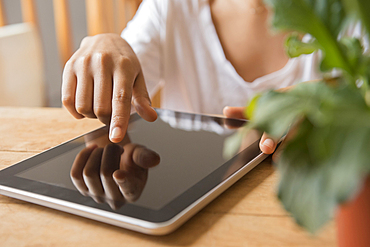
(188, 153)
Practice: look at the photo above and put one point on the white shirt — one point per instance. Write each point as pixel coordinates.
(178, 47)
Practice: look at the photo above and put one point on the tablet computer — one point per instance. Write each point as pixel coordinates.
(160, 175)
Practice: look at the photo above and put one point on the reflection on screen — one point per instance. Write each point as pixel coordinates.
(189, 147)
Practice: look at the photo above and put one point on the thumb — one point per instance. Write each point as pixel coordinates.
(234, 112)
(141, 100)
(267, 144)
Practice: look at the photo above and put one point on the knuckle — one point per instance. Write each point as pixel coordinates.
(76, 175)
(83, 61)
(118, 119)
(67, 100)
(102, 112)
(102, 61)
(126, 63)
(100, 36)
(122, 96)
(83, 109)
(69, 65)
(105, 173)
(143, 98)
(89, 173)
(85, 40)
(101, 58)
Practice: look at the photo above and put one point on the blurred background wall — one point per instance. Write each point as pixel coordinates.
(53, 67)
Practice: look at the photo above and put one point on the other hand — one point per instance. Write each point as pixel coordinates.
(267, 144)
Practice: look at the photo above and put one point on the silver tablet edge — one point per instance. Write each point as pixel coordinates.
(152, 228)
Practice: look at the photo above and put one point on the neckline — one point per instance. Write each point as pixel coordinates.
(214, 41)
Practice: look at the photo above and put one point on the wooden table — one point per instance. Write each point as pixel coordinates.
(247, 214)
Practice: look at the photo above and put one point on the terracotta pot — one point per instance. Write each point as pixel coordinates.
(353, 220)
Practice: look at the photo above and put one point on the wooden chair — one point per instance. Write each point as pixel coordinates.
(103, 16)
(21, 81)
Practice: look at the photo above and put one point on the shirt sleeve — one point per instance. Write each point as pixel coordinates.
(145, 33)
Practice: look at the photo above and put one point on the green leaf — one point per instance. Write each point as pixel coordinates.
(326, 160)
(353, 49)
(359, 9)
(276, 111)
(295, 47)
(322, 19)
(308, 16)
(319, 171)
(233, 142)
(321, 104)
(251, 107)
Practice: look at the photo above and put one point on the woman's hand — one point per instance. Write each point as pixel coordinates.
(102, 79)
(267, 144)
(113, 174)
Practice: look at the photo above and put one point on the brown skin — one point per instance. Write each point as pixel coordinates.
(246, 38)
(104, 77)
(267, 144)
(113, 174)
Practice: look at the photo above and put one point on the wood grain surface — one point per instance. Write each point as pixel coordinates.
(247, 214)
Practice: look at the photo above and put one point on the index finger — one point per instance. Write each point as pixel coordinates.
(121, 106)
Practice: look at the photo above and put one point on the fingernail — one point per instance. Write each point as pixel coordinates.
(120, 180)
(116, 133)
(269, 143)
(148, 158)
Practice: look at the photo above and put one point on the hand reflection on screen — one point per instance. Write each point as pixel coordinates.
(113, 174)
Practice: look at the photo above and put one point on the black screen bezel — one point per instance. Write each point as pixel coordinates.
(9, 179)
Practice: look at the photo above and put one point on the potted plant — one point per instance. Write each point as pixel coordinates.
(325, 164)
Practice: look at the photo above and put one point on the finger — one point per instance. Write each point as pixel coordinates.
(234, 112)
(131, 182)
(141, 99)
(69, 90)
(91, 175)
(232, 123)
(267, 144)
(121, 105)
(84, 94)
(110, 163)
(145, 157)
(131, 178)
(77, 169)
(103, 86)
(114, 204)
(136, 155)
